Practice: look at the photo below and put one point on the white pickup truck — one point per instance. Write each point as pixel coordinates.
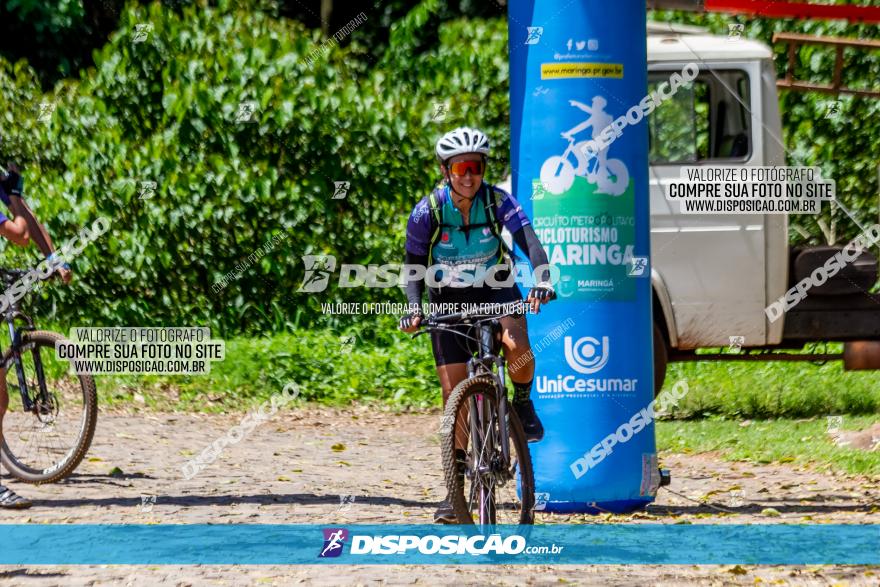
(714, 274)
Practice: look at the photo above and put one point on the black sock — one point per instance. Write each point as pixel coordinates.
(522, 391)
(460, 464)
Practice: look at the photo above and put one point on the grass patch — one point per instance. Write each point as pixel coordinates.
(774, 389)
(392, 369)
(330, 368)
(798, 442)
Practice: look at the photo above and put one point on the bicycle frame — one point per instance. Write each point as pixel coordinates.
(489, 356)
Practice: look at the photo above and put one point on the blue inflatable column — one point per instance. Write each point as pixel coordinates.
(579, 153)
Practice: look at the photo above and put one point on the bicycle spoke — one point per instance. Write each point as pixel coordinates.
(491, 488)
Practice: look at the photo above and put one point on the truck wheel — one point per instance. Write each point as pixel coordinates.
(661, 358)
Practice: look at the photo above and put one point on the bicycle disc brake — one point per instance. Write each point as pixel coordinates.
(47, 411)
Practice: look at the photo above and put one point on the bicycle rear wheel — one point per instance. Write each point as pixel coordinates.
(490, 490)
(47, 443)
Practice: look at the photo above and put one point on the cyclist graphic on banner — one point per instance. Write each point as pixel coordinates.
(610, 176)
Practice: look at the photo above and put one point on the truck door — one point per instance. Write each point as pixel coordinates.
(712, 264)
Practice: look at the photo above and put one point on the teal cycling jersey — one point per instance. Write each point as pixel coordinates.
(436, 229)
(472, 245)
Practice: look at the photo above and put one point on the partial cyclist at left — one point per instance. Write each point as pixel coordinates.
(47, 424)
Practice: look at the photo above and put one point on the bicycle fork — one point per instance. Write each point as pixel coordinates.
(483, 450)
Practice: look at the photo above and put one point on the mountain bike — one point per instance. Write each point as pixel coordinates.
(50, 421)
(494, 482)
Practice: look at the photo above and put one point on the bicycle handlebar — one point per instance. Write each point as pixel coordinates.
(442, 321)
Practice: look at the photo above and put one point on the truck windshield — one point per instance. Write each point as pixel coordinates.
(705, 120)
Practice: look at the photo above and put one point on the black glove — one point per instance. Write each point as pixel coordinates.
(407, 320)
(542, 292)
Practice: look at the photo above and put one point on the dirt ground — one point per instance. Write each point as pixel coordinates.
(325, 466)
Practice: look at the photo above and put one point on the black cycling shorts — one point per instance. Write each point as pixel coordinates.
(450, 348)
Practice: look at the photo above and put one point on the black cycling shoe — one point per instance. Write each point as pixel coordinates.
(444, 513)
(529, 419)
(12, 501)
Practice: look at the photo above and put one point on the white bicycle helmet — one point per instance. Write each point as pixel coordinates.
(460, 141)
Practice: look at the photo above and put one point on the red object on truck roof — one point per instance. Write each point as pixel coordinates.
(785, 9)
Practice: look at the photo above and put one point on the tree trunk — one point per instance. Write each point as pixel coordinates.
(326, 15)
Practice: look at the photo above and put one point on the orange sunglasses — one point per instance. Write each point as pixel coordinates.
(461, 168)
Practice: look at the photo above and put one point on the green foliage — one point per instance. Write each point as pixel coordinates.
(58, 37)
(165, 110)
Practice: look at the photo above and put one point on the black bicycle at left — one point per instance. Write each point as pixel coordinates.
(52, 412)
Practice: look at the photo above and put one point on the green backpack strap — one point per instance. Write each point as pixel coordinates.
(493, 202)
(435, 212)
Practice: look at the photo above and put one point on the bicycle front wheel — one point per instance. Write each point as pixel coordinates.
(485, 486)
(47, 442)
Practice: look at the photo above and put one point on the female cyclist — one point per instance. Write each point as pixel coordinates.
(458, 227)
